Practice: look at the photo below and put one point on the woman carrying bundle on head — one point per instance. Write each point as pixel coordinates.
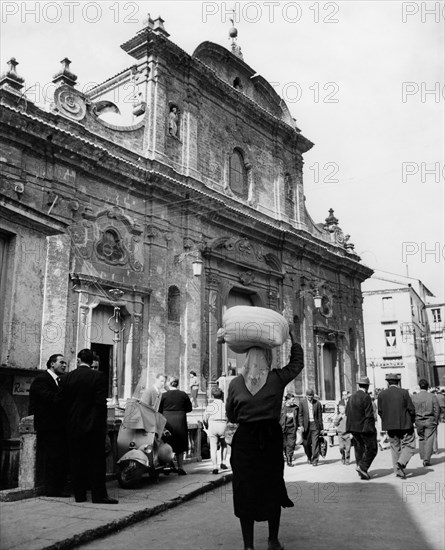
(254, 402)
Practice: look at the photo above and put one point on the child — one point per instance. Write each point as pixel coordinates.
(344, 439)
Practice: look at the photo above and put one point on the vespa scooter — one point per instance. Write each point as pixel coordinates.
(139, 445)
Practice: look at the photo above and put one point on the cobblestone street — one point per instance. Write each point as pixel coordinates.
(333, 509)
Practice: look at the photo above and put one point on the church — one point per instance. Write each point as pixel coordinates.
(130, 222)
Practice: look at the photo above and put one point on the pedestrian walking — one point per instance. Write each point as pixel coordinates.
(215, 422)
(427, 418)
(344, 438)
(289, 425)
(398, 414)
(259, 490)
(360, 422)
(194, 388)
(152, 396)
(310, 417)
(50, 426)
(83, 394)
(175, 404)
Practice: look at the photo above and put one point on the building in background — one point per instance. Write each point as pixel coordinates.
(397, 330)
(436, 315)
(111, 198)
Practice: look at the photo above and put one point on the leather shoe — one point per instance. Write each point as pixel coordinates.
(181, 472)
(274, 545)
(400, 470)
(363, 474)
(105, 500)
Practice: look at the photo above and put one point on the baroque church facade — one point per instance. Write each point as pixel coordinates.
(102, 224)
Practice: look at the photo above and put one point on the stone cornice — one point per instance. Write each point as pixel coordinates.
(143, 173)
(15, 210)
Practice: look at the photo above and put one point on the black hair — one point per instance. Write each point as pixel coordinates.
(174, 382)
(86, 356)
(423, 384)
(53, 359)
(217, 393)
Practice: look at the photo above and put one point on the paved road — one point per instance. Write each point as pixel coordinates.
(333, 510)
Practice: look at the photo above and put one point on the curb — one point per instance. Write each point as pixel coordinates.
(135, 517)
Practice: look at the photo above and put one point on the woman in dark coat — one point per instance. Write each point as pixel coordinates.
(254, 403)
(175, 404)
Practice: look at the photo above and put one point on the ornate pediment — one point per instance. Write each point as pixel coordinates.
(110, 237)
(242, 251)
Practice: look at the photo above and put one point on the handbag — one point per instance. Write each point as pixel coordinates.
(299, 436)
(230, 432)
(323, 446)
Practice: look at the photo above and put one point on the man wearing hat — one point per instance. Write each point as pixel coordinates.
(398, 415)
(360, 422)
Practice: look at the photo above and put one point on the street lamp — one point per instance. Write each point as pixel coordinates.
(317, 300)
(197, 263)
(197, 268)
(116, 324)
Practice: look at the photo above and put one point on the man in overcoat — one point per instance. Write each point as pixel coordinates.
(83, 393)
(311, 419)
(49, 426)
(360, 422)
(398, 414)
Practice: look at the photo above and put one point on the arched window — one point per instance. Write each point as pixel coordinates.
(173, 304)
(237, 173)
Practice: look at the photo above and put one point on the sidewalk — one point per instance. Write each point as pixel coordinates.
(58, 523)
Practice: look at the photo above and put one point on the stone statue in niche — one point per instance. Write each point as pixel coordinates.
(173, 119)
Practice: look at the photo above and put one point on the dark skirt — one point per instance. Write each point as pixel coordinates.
(257, 463)
(177, 426)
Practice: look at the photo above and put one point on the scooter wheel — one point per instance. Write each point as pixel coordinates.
(130, 475)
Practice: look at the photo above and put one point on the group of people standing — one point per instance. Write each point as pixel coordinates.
(70, 418)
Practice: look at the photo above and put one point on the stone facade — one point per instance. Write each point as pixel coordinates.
(202, 161)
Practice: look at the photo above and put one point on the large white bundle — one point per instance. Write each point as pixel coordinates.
(245, 327)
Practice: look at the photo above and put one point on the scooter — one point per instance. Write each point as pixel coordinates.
(140, 448)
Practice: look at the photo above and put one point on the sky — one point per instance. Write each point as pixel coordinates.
(364, 80)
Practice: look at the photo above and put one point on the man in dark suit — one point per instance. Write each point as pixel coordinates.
(49, 426)
(398, 414)
(310, 417)
(360, 422)
(83, 393)
(427, 419)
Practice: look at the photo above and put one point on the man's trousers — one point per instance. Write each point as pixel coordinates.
(403, 446)
(310, 442)
(365, 446)
(426, 432)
